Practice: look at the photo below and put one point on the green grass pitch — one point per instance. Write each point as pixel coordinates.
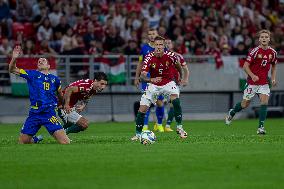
(213, 156)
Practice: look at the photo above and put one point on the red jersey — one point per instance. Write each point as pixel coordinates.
(85, 91)
(174, 70)
(160, 66)
(260, 61)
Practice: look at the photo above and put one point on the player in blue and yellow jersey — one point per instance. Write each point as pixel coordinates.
(45, 91)
(145, 50)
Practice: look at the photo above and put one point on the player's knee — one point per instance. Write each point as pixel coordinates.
(85, 124)
(245, 103)
(25, 140)
(160, 103)
(143, 109)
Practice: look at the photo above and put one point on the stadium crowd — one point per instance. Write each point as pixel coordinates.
(120, 26)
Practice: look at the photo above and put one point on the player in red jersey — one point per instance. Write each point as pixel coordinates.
(159, 64)
(76, 97)
(184, 82)
(257, 66)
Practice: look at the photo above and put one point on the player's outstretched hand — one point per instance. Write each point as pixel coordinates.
(255, 78)
(273, 82)
(156, 80)
(17, 51)
(67, 109)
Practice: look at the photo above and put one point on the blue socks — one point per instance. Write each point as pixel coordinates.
(160, 114)
(146, 119)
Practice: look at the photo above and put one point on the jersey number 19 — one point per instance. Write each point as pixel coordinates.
(46, 86)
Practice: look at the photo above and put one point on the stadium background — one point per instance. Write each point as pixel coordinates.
(83, 36)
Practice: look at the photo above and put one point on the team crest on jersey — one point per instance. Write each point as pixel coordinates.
(46, 78)
(270, 56)
(52, 81)
(265, 56)
(153, 65)
(259, 55)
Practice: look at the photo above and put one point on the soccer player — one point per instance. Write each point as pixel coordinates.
(257, 66)
(159, 64)
(76, 97)
(146, 49)
(184, 82)
(44, 89)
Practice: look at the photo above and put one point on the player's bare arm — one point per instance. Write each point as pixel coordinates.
(67, 95)
(12, 66)
(138, 72)
(184, 82)
(273, 75)
(144, 78)
(60, 96)
(249, 72)
(179, 69)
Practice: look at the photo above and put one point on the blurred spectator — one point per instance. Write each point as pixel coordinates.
(69, 41)
(90, 35)
(44, 32)
(63, 26)
(5, 19)
(196, 22)
(29, 48)
(153, 17)
(240, 49)
(113, 42)
(45, 49)
(5, 47)
(213, 50)
(225, 50)
(24, 11)
(55, 15)
(131, 48)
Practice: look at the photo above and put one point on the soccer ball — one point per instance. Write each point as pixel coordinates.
(147, 137)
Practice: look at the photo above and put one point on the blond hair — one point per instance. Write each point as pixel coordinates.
(264, 31)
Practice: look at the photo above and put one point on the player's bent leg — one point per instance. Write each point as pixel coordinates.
(25, 139)
(238, 107)
(29, 129)
(169, 119)
(83, 123)
(178, 115)
(61, 137)
(140, 121)
(262, 113)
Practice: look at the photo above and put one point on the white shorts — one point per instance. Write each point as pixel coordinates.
(72, 117)
(153, 91)
(251, 90)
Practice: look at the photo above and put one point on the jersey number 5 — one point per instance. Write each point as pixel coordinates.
(46, 86)
(160, 71)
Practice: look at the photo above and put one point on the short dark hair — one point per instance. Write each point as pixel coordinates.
(159, 38)
(100, 76)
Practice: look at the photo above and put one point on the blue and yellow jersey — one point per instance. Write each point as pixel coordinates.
(42, 89)
(146, 49)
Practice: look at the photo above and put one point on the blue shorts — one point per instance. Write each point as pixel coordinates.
(35, 120)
